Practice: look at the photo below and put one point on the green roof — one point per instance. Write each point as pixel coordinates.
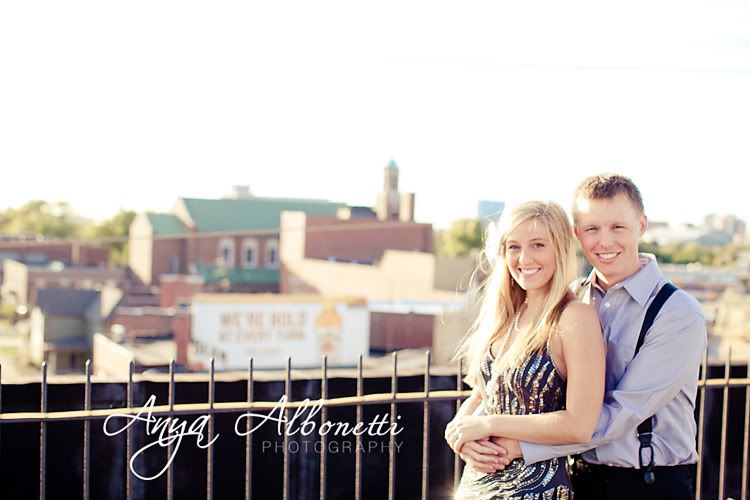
(250, 213)
(165, 224)
(392, 165)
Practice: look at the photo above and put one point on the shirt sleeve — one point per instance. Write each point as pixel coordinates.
(668, 360)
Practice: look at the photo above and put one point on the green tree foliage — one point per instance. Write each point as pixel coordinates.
(463, 237)
(56, 220)
(661, 254)
(116, 227)
(38, 217)
(692, 252)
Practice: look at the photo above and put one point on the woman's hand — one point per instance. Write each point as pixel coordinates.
(466, 428)
(450, 432)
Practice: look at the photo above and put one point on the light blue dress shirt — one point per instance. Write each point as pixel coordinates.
(662, 380)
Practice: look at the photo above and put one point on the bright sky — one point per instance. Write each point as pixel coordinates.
(132, 104)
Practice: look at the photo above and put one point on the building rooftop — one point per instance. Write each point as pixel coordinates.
(250, 213)
(65, 301)
(165, 224)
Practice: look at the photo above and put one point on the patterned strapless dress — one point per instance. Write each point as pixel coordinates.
(536, 387)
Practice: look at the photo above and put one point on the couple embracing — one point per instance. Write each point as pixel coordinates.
(604, 371)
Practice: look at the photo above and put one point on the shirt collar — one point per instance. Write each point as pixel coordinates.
(593, 282)
(642, 283)
(639, 284)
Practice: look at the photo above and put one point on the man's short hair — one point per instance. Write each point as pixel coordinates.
(607, 186)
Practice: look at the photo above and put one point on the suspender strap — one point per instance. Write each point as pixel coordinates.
(645, 429)
(666, 291)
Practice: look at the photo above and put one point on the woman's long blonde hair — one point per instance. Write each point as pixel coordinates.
(500, 297)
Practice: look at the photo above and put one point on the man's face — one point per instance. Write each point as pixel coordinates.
(609, 230)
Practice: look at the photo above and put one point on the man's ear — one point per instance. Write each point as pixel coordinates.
(575, 231)
(644, 224)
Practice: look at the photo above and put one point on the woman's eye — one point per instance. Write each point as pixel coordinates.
(538, 245)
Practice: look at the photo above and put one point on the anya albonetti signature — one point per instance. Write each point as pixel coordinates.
(171, 430)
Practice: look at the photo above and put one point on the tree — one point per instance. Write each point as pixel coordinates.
(662, 254)
(116, 227)
(463, 237)
(693, 252)
(41, 218)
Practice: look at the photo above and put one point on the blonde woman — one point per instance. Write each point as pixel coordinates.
(535, 357)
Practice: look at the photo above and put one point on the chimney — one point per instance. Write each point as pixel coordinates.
(241, 191)
(406, 213)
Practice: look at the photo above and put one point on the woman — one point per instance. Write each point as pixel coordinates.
(535, 357)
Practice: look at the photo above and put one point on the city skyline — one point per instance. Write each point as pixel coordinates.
(489, 101)
(468, 208)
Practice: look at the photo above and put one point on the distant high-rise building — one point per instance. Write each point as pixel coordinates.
(488, 210)
(727, 224)
(740, 230)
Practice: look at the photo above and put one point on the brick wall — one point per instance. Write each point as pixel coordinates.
(174, 289)
(72, 253)
(345, 241)
(391, 331)
(181, 326)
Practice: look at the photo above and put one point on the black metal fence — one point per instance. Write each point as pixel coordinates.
(714, 477)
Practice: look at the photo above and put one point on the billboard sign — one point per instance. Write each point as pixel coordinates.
(233, 327)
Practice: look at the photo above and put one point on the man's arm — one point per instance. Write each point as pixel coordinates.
(668, 360)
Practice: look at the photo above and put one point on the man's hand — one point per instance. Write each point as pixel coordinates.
(511, 448)
(484, 456)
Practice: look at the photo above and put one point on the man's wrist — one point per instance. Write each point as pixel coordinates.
(526, 452)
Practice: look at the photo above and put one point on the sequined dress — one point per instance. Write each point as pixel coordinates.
(536, 387)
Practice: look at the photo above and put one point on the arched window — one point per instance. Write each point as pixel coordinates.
(226, 252)
(272, 253)
(250, 253)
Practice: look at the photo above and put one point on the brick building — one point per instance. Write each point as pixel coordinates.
(41, 253)
(416, 299)
(21, 280)
(232, 244)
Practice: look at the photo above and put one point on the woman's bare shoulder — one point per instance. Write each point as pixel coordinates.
(578, 314)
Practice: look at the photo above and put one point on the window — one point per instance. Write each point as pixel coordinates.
(250, 253)
(226, 252)
(272, 253)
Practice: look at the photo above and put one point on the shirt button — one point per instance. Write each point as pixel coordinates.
(607, 304)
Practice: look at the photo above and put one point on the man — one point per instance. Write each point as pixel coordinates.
(659, 381)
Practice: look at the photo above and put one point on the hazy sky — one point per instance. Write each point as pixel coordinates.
(132, 104)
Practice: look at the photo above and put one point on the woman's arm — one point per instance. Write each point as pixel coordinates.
(467, 408)
(481, 455)
(471, 404)
(584, 353)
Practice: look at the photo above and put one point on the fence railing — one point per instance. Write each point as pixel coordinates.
(393, 398)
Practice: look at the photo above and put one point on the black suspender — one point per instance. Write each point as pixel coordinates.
(645, 429)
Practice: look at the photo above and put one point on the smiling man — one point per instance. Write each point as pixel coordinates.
(644, 444)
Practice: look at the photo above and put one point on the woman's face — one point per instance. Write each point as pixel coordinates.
(530, 256)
